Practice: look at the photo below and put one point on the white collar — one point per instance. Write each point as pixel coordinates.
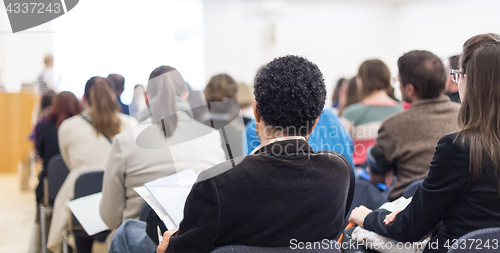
(276, 140)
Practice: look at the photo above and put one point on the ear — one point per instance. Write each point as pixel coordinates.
(314, 126)
(410, 89)
(256, 112)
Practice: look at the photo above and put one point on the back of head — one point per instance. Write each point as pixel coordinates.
(290, 92)
(336, 90)
(221, 88)
(375, 76)
(117, 83)
(104, 111)
(65, 106)
(165, 87)
(425, 71)
(48, 60)
(479, 113)
(474, 43)
(352, 93)
(244, 96)
(454, 62)
(47, 98)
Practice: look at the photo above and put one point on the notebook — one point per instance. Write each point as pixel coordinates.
(86, 211)
(167, 196)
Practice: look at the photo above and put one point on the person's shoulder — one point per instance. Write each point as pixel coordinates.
(336, 159)
(72, 122)
(224, 169)
(127, 120)
(353, 110)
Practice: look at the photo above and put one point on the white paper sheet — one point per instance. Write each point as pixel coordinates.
(171, 193)
(86, 211)
(155, 205)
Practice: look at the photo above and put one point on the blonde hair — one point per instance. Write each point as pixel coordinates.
(244, 96)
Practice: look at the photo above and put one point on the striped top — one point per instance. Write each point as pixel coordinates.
(362, 121)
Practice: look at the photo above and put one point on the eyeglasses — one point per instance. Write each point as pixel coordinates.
(455, 75)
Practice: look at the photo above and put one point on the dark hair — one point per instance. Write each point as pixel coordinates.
(117, 83)
(425, 71)
(104, 111)
(479, 114)
(454, 62)
(162, 90)
(220, 88)
(375, 76)
(290, 92)
(47, 98)
(352, 93)
(474, 43)
(336, 90)
(65, 106)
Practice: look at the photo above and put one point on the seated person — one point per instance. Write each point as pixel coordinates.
(363, 119)
(329, 134)
(130, 165)
(407, 141)
(462, 187)
(283, 190)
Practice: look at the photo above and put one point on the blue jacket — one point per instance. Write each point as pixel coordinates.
(329, 134)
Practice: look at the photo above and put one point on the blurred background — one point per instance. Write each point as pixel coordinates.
(202, 38)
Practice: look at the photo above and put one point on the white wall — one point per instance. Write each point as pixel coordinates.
(21, 54)
(235, 36)
(443, 26)
(337, 36)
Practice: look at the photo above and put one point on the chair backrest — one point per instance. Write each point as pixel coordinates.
(483, 240)
(88, 183)
(412, 188)
(251, 249)
(56, 174)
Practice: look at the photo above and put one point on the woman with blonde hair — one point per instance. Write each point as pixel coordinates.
(85, 142)
(461, 190)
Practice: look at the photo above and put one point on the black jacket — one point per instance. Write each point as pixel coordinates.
(285, 191)
(448, 194)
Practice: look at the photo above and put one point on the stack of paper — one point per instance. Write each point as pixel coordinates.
(167, 196)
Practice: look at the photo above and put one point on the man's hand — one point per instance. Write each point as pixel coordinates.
(166, 238)
(359, 214)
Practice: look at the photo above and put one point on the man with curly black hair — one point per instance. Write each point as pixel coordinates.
(290, 93)
(284, 193)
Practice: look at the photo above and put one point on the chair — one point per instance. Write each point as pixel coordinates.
(86, 184)
(412, 188)
(56, 174)
(483, 240)
(291, 248)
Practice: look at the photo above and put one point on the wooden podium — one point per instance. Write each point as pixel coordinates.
(16, 110)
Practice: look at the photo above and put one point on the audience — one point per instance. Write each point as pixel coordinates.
(131, 165)
(117, 83)
(451, 89)
(235, 207)
(223, 113)
(352, 94)
(138, 103)
(85, 142)
(432, 115)
(363, 119)
(338, 96)
(245, 99)
(65, 105)
(461, 190)
(329, 134)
